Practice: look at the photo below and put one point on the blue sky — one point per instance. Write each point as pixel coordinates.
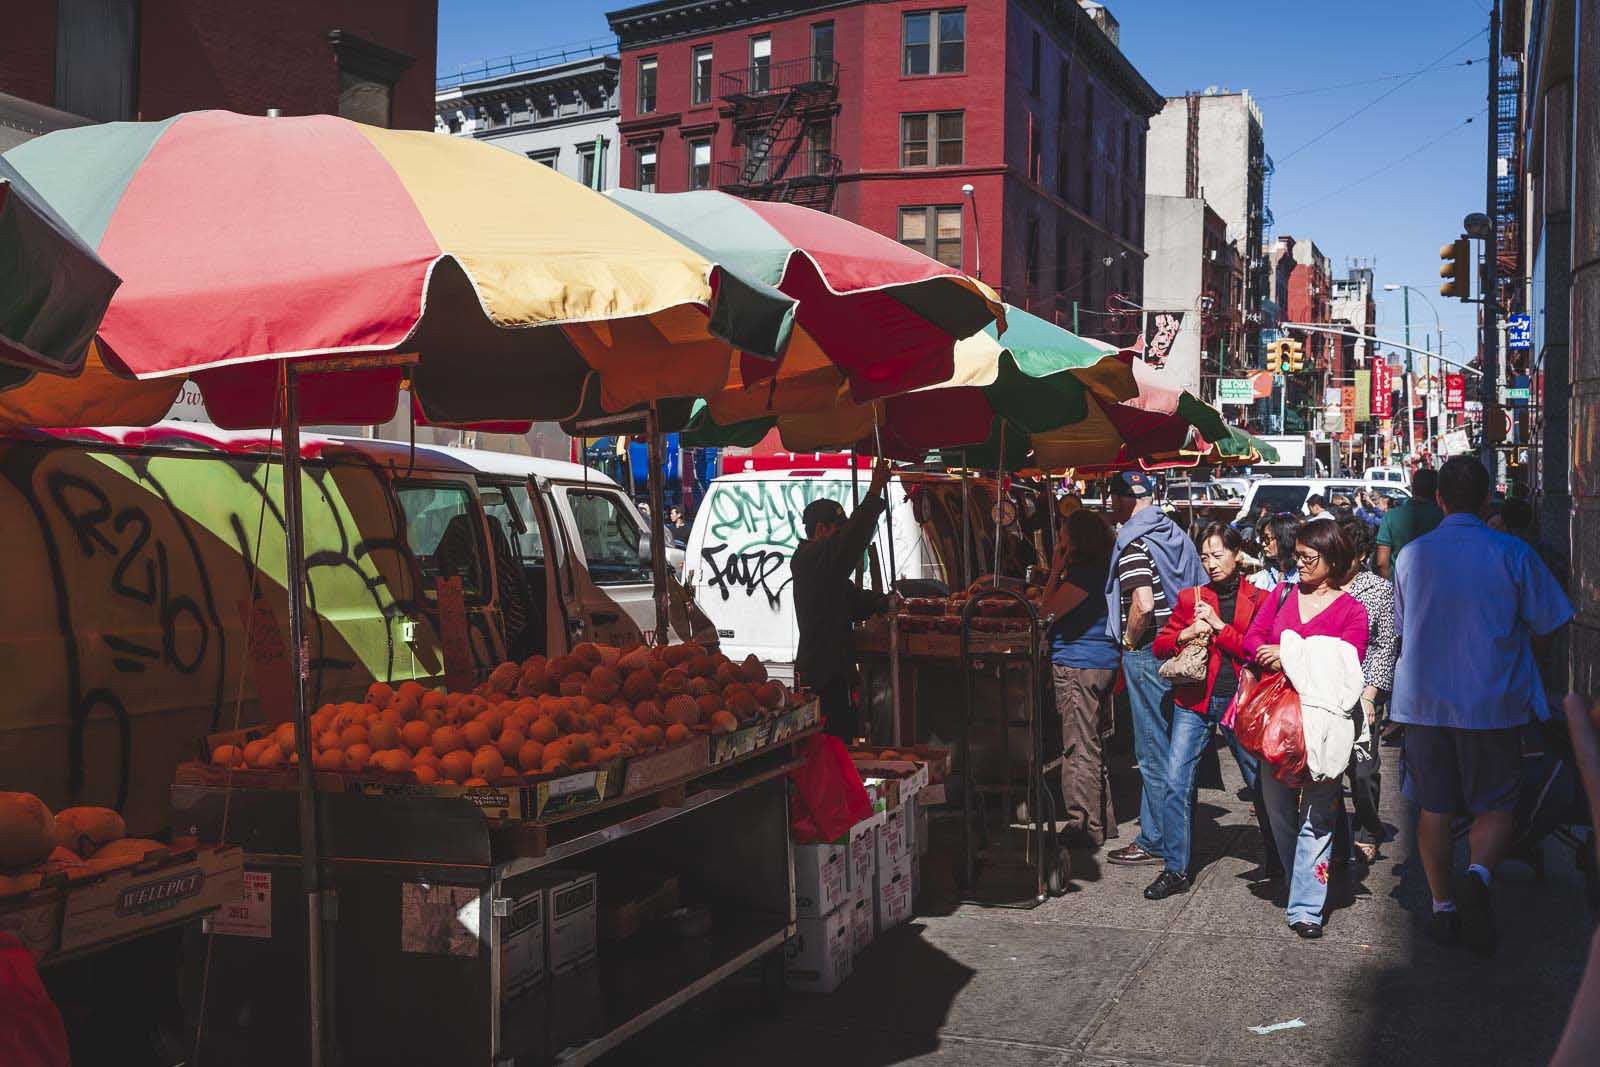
(1396, 219)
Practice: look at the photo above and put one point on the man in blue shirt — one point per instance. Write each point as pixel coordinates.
(1469, 603)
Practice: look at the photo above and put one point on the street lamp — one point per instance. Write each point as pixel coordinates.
(977, 236)
(1406, 291)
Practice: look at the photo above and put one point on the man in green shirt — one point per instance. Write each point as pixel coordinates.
(1404, 524)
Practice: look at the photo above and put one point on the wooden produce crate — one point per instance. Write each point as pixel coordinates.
(650, 771)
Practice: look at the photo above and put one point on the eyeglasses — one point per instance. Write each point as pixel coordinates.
(1308, 559)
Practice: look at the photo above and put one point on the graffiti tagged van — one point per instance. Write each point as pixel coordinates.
(130, 555)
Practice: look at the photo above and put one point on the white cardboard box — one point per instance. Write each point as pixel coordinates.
(863, 844)
(922, 823)
(862, 921)
(819, 879)
(892, 838)
(570, 918)
(818, 957)
(522, 954)
(913, 829)
(892, 898)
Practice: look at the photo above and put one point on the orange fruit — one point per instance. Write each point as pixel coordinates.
(414, 734)
(723, 722)
(455, 766)
(384, 735)
(412, 690)
(330, 759)
(393, 760)
(675, 733)
(488, 763)
(474, 783)
(652, 736)
(356, 757)
(425, 773)
(226, 755)
(380, 694)
(253, 749)
(447, 739)
(353, 735)
(406, 708)
(267, 758)
(283, 737)
(425, 754)
(544, 729)
(509, 743)
(530, 757)
(475, 734)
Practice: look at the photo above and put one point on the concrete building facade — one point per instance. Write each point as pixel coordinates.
(1211, 145)
(883, 112)
(1192, 267)
(563, 115)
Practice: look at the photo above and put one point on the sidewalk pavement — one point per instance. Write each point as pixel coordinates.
(1103, 977)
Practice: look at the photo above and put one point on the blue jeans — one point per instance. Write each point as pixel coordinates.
(1150, 697)
(1302, 823)
(1191, 736)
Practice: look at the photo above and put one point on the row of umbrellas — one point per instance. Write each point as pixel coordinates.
(515, 295)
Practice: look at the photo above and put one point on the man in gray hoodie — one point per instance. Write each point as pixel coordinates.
(1154, 561)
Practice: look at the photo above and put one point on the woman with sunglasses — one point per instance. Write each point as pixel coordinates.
(1276, 535)
(1313, 606)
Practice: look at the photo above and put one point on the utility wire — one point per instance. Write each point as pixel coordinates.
(1369, 81)
(1375, 101)
(1390, 164)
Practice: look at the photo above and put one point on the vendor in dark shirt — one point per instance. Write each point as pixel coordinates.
(827, 602)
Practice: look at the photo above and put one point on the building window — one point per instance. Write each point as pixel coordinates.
(647, 85)
(934, 42)
(367, 76)
(761, 63)
(1035, 148)
(933, 231)
(588, 173)
(932, 139)
(822, 68)
(821, 137)
(647, 170)
(547, 156)
(700, 163)
(700, 75)
(1031, 269)
(1035, 60)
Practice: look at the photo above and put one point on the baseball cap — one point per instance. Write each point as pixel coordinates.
(1132, 483)
(821, 510)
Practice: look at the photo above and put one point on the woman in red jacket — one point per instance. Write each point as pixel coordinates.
(1218, 613)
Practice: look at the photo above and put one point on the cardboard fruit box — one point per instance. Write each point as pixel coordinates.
(674, 763)
(742, 742)
(796, 720)
(170, 885)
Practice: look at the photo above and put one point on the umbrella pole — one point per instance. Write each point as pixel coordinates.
(999, 498)
(658, 541)
(310, 855)
(894, 628)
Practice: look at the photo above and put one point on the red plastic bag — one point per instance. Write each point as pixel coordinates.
(829, 797)
(1267, 722)
(31, 1033)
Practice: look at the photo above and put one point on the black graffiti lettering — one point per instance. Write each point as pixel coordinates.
(747, 571)
(147, 595)
(173, 609)
(85, 523)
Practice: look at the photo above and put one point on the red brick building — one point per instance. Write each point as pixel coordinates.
(883, 111)
(1300, 289)
(150, 59)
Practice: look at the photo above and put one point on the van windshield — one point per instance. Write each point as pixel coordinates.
(1279, 497)
(609, 535)
(444, 534)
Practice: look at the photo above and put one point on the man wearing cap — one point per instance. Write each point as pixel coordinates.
(827, 601)
(1154, 561)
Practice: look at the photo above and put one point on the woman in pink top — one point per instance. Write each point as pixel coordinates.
(1302, 820)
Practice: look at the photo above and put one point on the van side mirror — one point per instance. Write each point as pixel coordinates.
(646, 550)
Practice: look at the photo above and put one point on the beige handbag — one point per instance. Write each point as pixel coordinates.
(1190, 665)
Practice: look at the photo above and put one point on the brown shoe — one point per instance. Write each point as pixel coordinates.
(1131, 856)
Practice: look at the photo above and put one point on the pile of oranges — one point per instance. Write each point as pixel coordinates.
(542, 716)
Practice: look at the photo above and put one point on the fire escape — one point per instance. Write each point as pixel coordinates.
(1507, 191)
(783, 123)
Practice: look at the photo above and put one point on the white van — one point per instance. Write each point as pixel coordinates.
(1386, 476)
(1291, 494)
(130, 552)
(745, 533)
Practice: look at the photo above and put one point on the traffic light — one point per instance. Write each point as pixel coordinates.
(1294, 360)
(1275, 356)
(1455, 268)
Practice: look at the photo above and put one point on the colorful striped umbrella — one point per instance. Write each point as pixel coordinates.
(247, 241)
(873, 313)
(1031, 374)
(53, 288)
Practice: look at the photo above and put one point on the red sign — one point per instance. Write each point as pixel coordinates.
(1455, 392)
(1382, 391)
(459, 672)
(269, 660)
(1347, 407)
